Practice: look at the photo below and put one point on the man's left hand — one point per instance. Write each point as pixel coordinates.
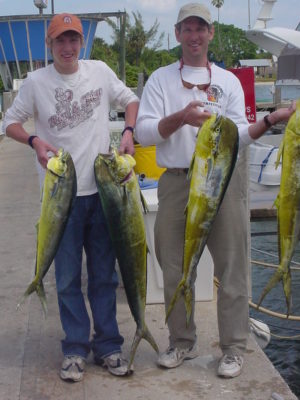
(127, 144)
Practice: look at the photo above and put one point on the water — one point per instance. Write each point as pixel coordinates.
(283, 353)
(264, 93)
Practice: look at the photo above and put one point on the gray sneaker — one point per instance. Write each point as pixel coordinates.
(72, 368)
(173, 357)
(230, 366)
(115, 364)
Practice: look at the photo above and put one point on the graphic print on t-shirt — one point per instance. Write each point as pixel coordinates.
(70, 112)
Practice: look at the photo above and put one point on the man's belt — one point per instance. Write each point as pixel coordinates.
(178, 171)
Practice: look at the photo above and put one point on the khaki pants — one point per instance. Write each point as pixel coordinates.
(228, 245)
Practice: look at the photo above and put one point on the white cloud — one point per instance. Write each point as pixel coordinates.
(161, 5)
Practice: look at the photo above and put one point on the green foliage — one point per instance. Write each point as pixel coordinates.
(136, 37)
(217, 3)
(151, 60)
(147, 58)
(102, 51)
(235, 46)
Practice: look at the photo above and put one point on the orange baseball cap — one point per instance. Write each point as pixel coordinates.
(61, 23)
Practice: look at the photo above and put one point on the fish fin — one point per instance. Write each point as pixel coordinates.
(286, 282)
(279, 154)
(42, 193)
(186, 209)
(188, 299)
(139, 335)
(144, 203)
(277, 202)
(209, 168)
(284, 275)
(176, 295)
(189, 174)
(147, 250)
(54, 189)
(125, 193)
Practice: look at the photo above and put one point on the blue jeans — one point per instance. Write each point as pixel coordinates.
(86, 229)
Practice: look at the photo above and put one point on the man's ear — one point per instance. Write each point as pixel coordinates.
(48, 41)
(177, 35)
(211, 31)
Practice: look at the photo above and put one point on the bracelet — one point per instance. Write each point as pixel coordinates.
(30, 140)
(267, 121)
(127, 128)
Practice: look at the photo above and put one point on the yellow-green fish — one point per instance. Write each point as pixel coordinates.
(288, 206)
(59, 191)
(121, 201)
(210, 171)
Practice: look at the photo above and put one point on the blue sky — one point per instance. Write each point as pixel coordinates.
(285, 12)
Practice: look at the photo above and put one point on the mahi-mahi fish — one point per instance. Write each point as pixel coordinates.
(121, 200)
(288, 206)
(210, 172)
(59, 191)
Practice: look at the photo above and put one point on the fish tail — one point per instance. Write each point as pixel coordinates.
(31, 288)
(40, 290)
(279, 275)
(150, 339)
(37, 287)
(178, 292)
(139, 335)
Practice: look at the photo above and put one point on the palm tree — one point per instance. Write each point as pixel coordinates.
(218, 4)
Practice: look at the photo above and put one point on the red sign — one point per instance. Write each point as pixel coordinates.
(246, 77)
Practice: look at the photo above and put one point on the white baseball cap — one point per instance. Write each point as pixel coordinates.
(194, 10)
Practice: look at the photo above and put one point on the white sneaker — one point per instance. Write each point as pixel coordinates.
(115, 364)
(72, 368)
(173, 357)
(230, 366)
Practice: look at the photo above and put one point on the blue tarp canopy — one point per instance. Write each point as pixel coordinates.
(22, 39)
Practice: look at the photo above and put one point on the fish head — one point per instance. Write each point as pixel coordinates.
(218, 125)
(120, 166)
(58, 163)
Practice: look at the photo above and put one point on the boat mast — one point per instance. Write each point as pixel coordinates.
(265, 14)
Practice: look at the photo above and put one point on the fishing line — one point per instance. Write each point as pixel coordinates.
(273, 313)
(273, 255)
(288, 329)
(295, 337)
(264, 264)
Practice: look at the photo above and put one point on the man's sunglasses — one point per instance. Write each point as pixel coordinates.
(190, 85)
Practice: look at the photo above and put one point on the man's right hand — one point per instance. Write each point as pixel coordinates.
(42, 148)
(195, 114)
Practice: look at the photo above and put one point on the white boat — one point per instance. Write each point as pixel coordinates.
(263, 174)
(284, 45)
(275, 39)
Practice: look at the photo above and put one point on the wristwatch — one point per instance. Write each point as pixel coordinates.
(267, 121)
(127, 128)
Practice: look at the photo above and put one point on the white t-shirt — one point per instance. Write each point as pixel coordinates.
(71, 111)
(164, 94)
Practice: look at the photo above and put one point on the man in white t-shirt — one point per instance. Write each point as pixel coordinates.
(70, 102)
(176, 100)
